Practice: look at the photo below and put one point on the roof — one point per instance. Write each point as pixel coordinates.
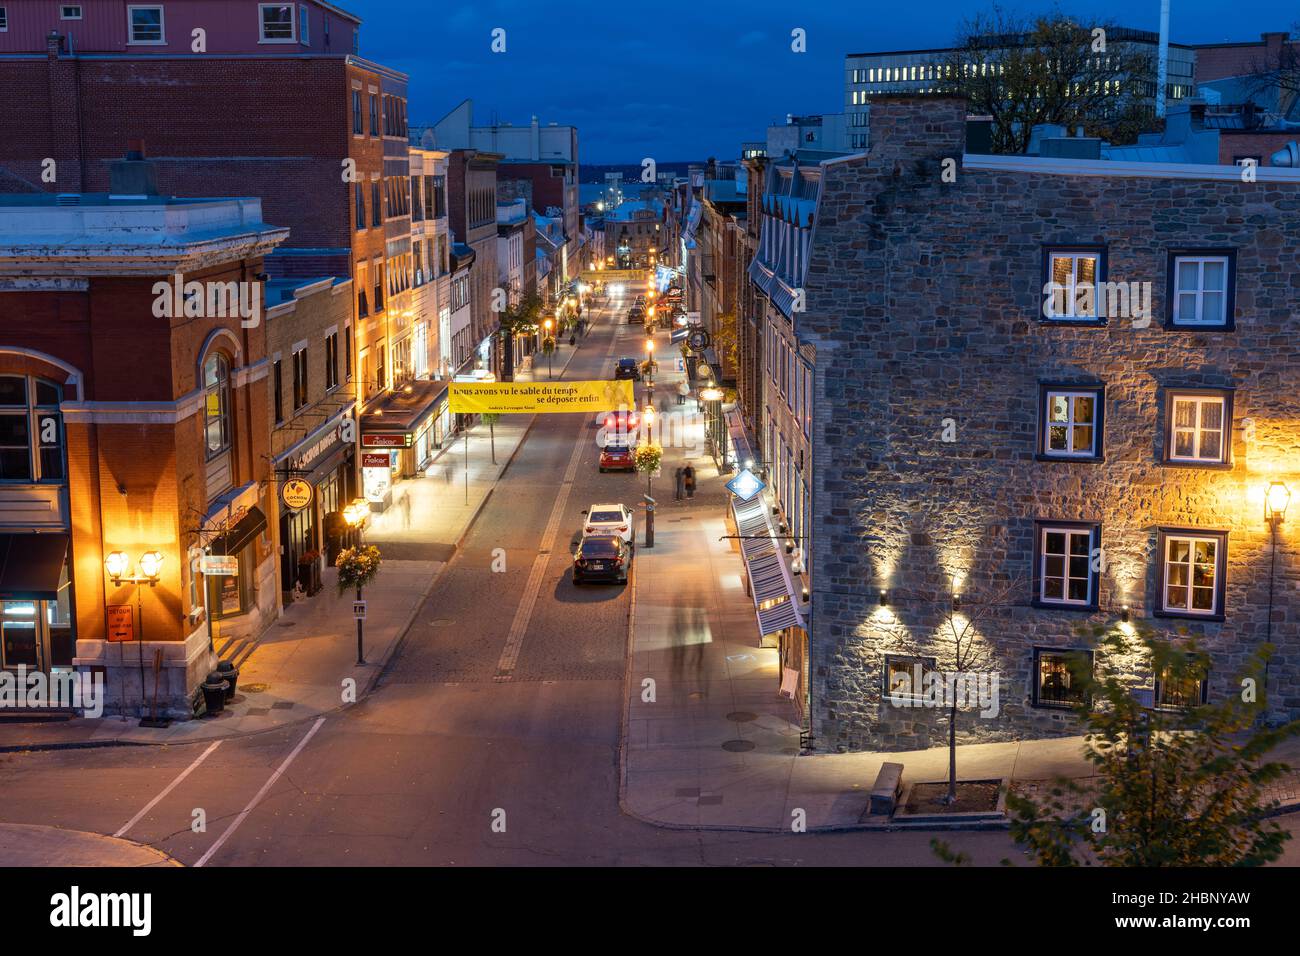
(280, 291)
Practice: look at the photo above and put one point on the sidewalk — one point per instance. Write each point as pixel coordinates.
(296, 669)
(719, 747)
(26, 845)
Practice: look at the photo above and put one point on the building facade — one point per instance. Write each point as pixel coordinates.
(989, 447)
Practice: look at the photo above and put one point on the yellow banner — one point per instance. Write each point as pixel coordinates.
(477, 398)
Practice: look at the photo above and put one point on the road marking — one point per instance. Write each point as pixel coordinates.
(524, 613)
(168, 789)
(260, 794)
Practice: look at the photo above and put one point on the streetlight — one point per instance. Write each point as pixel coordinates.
(355, 515)
(649, 358)
(145, 571)
(1276, 500)
(550, 362)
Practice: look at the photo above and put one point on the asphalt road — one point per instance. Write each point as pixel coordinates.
(491, 739)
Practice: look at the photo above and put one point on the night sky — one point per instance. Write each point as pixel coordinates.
(684, 81)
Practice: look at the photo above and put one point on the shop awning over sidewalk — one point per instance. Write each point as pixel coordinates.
(403, 411)
(739, 438)
(771, 586)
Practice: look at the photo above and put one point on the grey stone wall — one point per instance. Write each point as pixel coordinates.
(924, 304)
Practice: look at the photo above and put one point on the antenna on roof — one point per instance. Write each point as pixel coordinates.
(1162, 70)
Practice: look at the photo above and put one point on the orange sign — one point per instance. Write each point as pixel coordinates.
(120, 620)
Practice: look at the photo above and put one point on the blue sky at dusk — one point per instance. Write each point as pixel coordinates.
(686, 81)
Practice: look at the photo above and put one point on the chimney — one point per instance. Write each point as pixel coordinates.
(133, 176)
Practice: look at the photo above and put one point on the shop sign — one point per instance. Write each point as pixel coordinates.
(387, 441)
(375, 460)
(120, 622)
(296, 494)
(219, 565)
(540, 397)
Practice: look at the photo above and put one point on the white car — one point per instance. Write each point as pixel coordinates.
(612, 520)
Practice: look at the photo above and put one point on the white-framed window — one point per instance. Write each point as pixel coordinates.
(1198, 428)
(1202, 287)
(4, 19)
(70, 11)
(1071, 284)
(276, 21)
(216, 405)
(1191, 569)
(1065, 566)
(145, 25)
(1071, 423)
(304, 24)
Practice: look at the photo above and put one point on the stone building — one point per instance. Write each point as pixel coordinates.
(989, 443)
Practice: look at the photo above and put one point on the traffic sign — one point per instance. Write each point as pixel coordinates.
(359, 610)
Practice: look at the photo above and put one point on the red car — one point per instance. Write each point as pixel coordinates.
(617, 457)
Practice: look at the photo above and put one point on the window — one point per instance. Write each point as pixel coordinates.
(1065, 574)
(1201, 287)
(331, 361)
(299, 378)
(376, 205)
(347, 352)
(1070, 277)
(1070, 421)
(146, 24)
(277, 385)
(70, 12)
(31, 430)
(905, 676)
(4, 20)
(304, 25)
(216, 404)
(374, 115)
(1057, 676)
(1192, 566)
(1198, 427)
(358, 126)
(361, 207)
(1181, 691)
(277, 22)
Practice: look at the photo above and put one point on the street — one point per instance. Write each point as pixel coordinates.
(503, 704)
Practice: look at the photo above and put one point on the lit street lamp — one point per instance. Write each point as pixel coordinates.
(355, 515)
(145, 571)
(549, 346)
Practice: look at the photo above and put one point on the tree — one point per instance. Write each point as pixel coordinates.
(727, 339)
(1178, 785)
(1277, 73)
(1024, 73)
(522, 318)
(491, 419)
(961, 650)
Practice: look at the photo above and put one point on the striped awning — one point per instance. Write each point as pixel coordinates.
(779, 617)
(770, 583)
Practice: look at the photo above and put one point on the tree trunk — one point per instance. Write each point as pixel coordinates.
(492, 433)
(952, 753)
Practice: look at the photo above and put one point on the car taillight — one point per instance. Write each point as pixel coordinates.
(589, 530)
(609, 423)
(622, 528)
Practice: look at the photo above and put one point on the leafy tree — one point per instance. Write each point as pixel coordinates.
(1023, 73)
(1176, 786)
(522, 318)
(726, 338)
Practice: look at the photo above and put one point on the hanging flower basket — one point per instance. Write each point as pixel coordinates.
(358, 567)
(648, 457)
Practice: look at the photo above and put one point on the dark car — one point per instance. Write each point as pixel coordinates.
(635, 314)
(617, 456)
(627, 368)
(602, 559)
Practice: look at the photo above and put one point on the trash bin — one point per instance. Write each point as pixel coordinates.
(230, 674)
(214, 694)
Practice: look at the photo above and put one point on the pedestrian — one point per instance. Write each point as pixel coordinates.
(572, 339)
(677, 475)
(688, 476)
(682, 391)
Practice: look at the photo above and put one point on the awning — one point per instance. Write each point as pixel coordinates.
(739, 438)
(403, 410)
(31, 565)
(237, 538)
(770, 584)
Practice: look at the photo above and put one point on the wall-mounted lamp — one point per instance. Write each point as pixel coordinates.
(1276, 500)
(119, 569)
(1123, 614)
(884, 598)
(956, 602)
(805, 595)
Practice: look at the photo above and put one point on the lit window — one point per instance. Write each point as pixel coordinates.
(216, 404)
(905, 676)
(1071, 422)
(1201, 289)
(1059, 677)
(1070, 283)
(1199, 427)
(1065, 570)
(1181, 691)
(1191, 578)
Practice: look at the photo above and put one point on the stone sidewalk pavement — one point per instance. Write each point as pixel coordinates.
(297, 668)
(718, 747)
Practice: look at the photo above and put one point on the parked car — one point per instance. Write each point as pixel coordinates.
(618, 455)
(628, 368)
(615, 519)
(602, 558)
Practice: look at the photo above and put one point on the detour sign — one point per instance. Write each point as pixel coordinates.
(477, 398)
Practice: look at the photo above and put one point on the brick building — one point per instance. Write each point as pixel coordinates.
(472, 218)
(975, 428)
(136, 428)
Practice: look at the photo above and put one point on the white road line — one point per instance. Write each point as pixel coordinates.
(168, 789)
(524, 613)
(260, 794)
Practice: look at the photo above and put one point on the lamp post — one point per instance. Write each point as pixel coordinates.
(1276, 500)
(650, 358)
(355, 515)
(145, 571)
(550, 350)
